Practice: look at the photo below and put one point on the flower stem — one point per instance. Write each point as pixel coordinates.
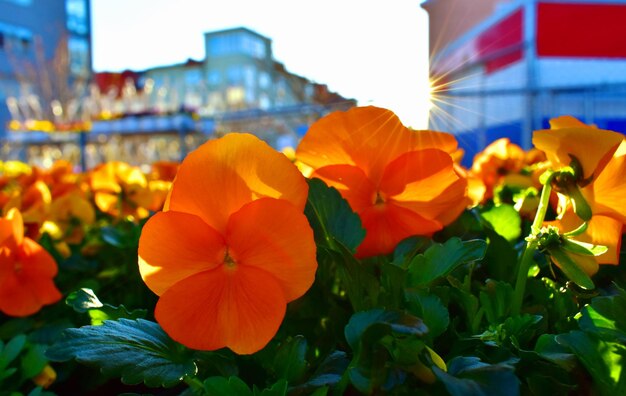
(531, 246)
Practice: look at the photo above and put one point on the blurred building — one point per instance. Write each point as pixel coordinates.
(45, 54)
(238, 85)
(504, 68)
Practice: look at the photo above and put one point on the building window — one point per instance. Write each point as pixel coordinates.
(20, 2)
(193, 77)
(236, 43)
(77, 19)
(264, 79)
(78, 49)
(15, 39)
(234, 75)
(214, 77)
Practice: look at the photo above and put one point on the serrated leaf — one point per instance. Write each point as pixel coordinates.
(135, 350)
(441, 259)
(331, 217)
(505, 220)
(278, 389)
(85, 300)
(470, 376)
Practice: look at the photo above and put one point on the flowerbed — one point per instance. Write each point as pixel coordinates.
(368, 261)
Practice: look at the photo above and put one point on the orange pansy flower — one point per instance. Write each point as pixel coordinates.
(233, 247)
(498, 159)
(401, 182)
(120, 190)
(568, 137)
(26, 270)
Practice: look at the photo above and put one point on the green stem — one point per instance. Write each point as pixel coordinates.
(531, 246)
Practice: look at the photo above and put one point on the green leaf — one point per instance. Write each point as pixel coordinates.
(602, 359)
(135, 350)
(606, 317)
(328, 373)
(586, 249)
(571, 269)
(33, 361)
(548, 348)
(331, 217)
(278, 389)
(11, 350)
(505, 220)
(390, 321)
(439, 260)
(430, 308)
(470, 376)
(290, 362)
(85, 300)
(220, 386)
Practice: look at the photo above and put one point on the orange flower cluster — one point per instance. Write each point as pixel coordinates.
(63, 204)
(400, 181)
(231, 248)
(503, 163)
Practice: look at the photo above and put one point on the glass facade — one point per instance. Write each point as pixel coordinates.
(77, 16)
(236, 43)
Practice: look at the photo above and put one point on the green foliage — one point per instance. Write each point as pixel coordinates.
(331, 218)
(441, 259)
(135, 350)
(505, 220)
(470, 376)
(85, 300)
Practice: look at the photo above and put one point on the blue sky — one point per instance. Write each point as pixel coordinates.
(370, 50)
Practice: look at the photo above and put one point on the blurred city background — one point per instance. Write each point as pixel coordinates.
(496, 68)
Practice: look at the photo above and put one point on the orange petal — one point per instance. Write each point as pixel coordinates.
(274, 236)
(351, 182)
(108, 202)
(609, 189)
(222, 175)
(567, 122)
(427, 183)
(240, 308)
(366, 137)
(36, 261)
(418, 175)
(176, 245)
(592, 147)
(16, 226)
(387, 224)
(16, 299)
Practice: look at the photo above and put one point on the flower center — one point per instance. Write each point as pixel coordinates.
(228, 260)
(378, 199)
(17, 267)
